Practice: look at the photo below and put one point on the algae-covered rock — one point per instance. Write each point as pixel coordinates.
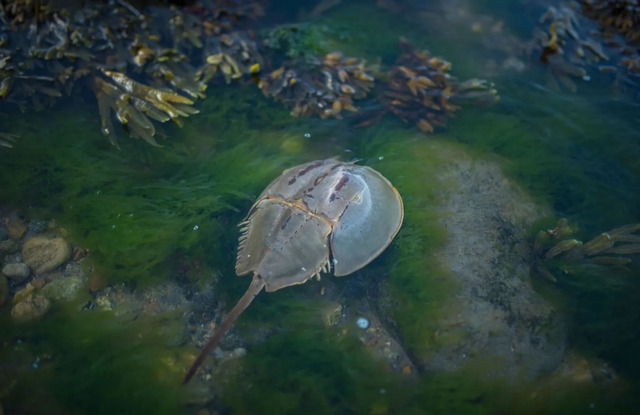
(63, 289)
(44, 254)
(499, 317)
(32, 307)
(459, 290)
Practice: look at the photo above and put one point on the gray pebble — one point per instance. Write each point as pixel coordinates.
(17, 271)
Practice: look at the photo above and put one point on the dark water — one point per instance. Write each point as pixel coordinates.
(144, 212)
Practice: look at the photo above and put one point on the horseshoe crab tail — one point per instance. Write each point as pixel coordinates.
(257, 284)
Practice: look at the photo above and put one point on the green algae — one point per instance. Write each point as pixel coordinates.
(306, 371)
(86, 362)
(360, 40)
(134, 208)
(305, 40)
(315, 371)
(417, 280)
(558, 145)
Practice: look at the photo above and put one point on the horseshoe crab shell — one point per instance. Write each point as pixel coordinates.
(308, 215)
(312, 212)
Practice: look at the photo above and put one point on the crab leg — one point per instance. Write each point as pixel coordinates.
(257, 284)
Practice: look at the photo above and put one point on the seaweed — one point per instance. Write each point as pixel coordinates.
(149, 203)
(81, 362)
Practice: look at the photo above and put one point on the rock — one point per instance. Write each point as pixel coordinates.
(23, 293)
(39, 282)
(8, 246)
(97, 282)
(499, 319)
(4, 290)
(63, 289)
(17, 271)
(16, 229)
(32, 307)
(38, 226)
(44, 254)
(331, 313)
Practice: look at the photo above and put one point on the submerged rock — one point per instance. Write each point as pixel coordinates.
(8, 246)
(32, 307)
(17, 271)
(16, 229)
(44, 254)
(499, 318)
(63, 289)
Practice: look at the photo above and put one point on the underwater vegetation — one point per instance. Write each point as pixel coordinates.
(421, 90)
(140, 66)
(327, 86)
(586, 37)
(149, 204)
(117, 364)
(149, 66)
(608, 249)
(302, 40)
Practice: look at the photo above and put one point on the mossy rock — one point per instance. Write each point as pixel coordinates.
(63, 289)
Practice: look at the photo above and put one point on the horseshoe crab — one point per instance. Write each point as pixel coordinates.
(318, 216)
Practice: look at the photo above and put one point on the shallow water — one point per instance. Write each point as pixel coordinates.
(149, 214)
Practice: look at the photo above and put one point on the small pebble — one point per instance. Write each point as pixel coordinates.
(363, 323)
(17, 271)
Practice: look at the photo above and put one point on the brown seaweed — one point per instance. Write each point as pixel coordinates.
(421, 90)
(326, 88)
(135, 105)
(609, 248)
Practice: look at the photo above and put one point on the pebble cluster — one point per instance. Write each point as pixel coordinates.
(38, 266)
